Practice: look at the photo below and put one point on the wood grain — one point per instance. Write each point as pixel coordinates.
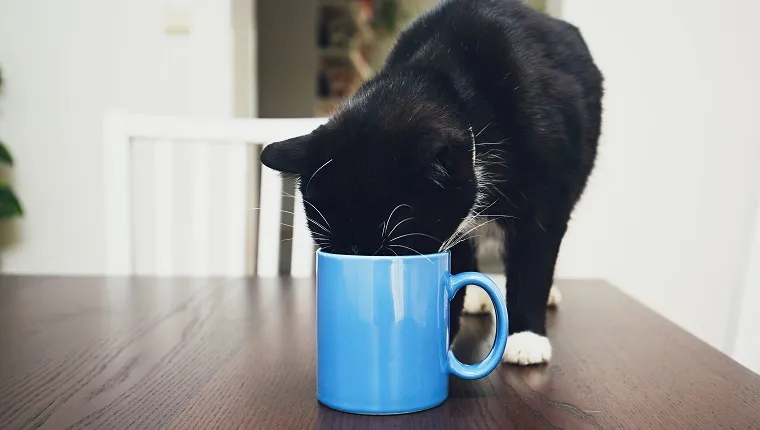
(200, 354)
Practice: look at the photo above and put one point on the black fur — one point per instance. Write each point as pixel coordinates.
(393, 172)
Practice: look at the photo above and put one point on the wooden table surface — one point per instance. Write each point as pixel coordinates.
(184, 354)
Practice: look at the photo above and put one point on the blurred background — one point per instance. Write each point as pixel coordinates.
(670, 216)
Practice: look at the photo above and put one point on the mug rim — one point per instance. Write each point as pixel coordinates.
(325, 254)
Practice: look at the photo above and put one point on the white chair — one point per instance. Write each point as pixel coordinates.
(180, 193)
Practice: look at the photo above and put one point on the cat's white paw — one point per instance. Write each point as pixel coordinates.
(477, 301)
(555, 296)
(527, 348)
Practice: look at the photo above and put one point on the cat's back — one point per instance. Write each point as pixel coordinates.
(488, 32)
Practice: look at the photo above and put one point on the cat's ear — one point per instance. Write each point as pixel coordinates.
(288, 156)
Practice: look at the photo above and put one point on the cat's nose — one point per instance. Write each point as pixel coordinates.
(354, 250)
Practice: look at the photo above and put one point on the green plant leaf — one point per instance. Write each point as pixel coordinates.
(10, 207)
(5, 155)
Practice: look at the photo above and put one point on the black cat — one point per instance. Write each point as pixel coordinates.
(486, 112)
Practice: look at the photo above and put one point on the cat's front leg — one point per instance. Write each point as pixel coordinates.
(533, 248)
(477, 302)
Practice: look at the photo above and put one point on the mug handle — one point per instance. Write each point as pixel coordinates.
(480, 370)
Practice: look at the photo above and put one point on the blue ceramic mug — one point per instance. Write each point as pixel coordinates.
(383, 331)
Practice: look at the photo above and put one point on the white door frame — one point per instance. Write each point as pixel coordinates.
(743, 337)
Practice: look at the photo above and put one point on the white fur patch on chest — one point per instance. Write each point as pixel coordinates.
(472, 225)
(489, 237)
(474, 146)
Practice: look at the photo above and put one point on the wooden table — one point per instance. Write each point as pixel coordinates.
(182, 353)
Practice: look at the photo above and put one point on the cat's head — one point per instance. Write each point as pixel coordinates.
(390, 173)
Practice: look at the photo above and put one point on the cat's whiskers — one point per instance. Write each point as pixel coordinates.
(394, 228)
(319, 225)
(320, 242)
(414, 234)
(466, 222)
(307, 218)
(494, 153)
(411, 249)
(473, 229)
(315, 174)
(502, 141)
(466, 238)
(310, 204)
(458, 233)
(484, 129)
(314, 234)
(505, 198)
(318, 238)
(318, 211)
(462, 231)
(391, 216)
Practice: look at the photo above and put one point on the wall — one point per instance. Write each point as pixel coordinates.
(65, 64)
(670, 209)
